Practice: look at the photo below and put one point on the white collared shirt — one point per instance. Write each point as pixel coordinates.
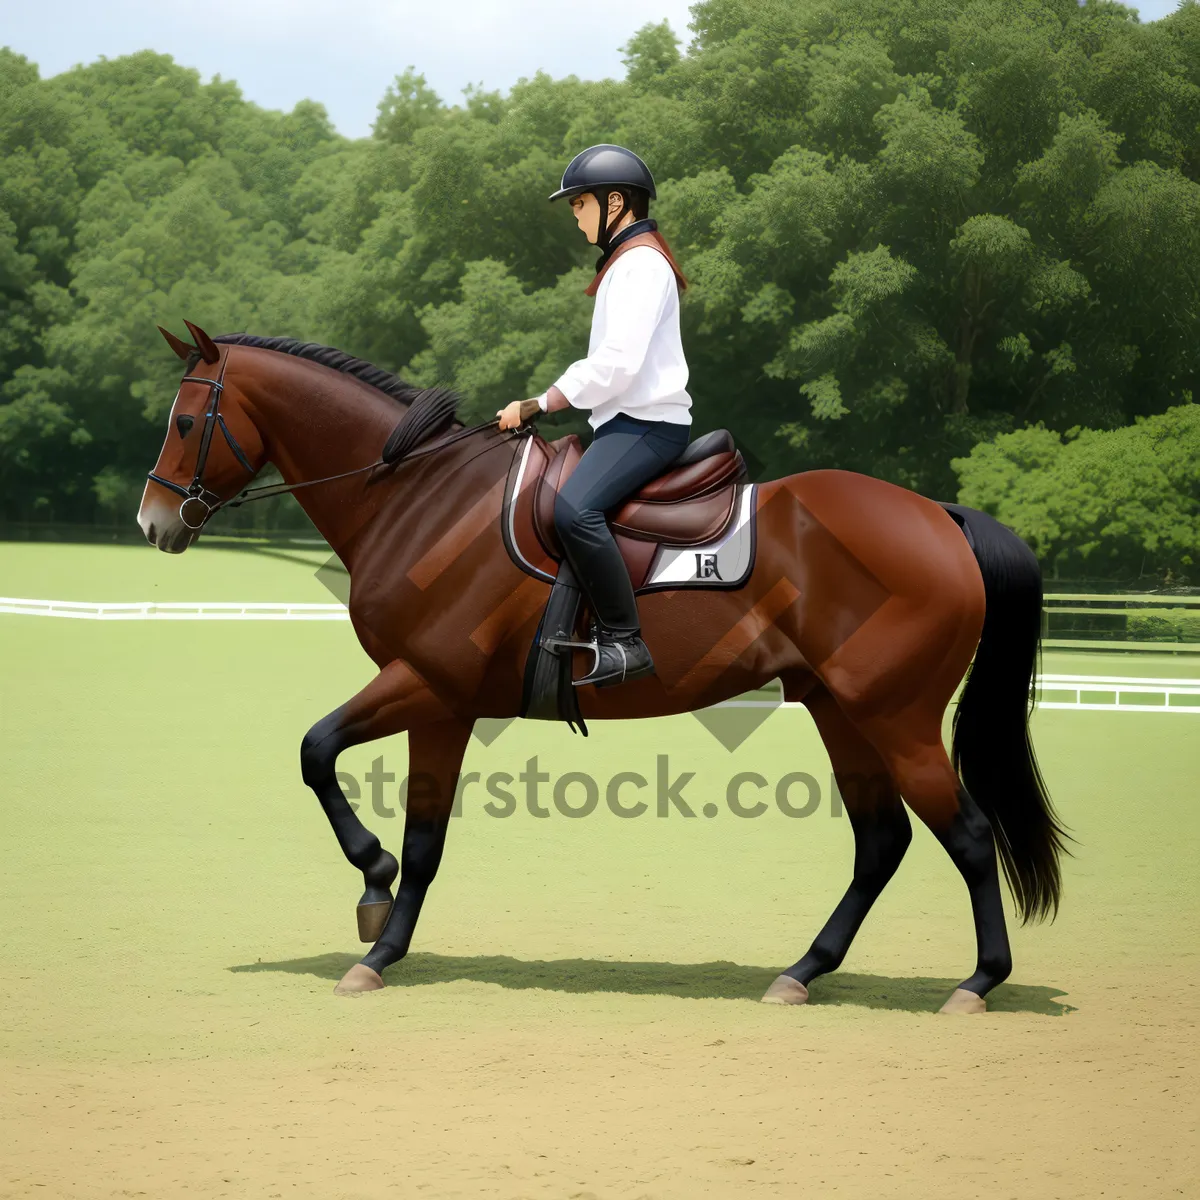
(635, 362)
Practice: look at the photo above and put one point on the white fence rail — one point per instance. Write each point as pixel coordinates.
(153, 610)
(1171, 695)
(1105, 693)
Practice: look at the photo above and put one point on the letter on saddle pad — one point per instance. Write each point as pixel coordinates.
(690, 504)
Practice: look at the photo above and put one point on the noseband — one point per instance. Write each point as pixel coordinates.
(196, 497)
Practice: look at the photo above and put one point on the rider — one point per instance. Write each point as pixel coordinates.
(632, 385)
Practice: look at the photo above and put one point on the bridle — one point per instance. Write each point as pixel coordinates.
(202, 502)
(205, 503)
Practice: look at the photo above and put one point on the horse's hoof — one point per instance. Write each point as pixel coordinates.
(360, 978)
(962, 1001)
(372, 918)
(786, 990)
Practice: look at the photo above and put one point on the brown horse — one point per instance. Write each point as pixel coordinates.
(866, 600)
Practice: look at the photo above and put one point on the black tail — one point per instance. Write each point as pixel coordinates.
(992, 752)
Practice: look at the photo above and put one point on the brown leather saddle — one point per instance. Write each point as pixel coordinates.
(690, 504)
(693, 503)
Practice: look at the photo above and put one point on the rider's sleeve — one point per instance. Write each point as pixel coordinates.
(634, 301)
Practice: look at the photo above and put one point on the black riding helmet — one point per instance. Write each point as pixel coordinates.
(602, 170)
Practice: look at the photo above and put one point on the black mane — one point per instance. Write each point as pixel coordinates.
(430, 410)
(327, 356)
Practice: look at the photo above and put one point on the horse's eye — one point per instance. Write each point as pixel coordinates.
(184, 424)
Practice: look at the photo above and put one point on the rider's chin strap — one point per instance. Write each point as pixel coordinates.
(604, 234)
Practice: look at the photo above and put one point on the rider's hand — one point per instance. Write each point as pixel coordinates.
(511, 415)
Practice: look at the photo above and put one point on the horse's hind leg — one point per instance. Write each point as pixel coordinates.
(881, 836)
(913, 749)
(395, 700)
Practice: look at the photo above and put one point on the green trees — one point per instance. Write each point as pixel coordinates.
(1124, 502)
(131, 194)
(911, 230)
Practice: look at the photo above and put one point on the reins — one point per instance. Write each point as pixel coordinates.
(266, 491)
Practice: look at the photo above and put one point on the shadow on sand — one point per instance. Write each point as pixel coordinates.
(698, 981)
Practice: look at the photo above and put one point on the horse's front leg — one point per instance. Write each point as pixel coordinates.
(395, 700)
(435, 754)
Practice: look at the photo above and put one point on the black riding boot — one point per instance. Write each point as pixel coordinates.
(625, 454)
(619, 657)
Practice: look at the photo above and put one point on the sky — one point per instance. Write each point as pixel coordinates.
(344, 53)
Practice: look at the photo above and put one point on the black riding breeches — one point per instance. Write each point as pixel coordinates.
(625, 453)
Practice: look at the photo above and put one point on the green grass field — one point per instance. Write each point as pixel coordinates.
(174, 912)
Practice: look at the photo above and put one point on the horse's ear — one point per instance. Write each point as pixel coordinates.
(205, 344)
(177, 344)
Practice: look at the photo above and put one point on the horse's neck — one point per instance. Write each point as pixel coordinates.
(315, 422)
